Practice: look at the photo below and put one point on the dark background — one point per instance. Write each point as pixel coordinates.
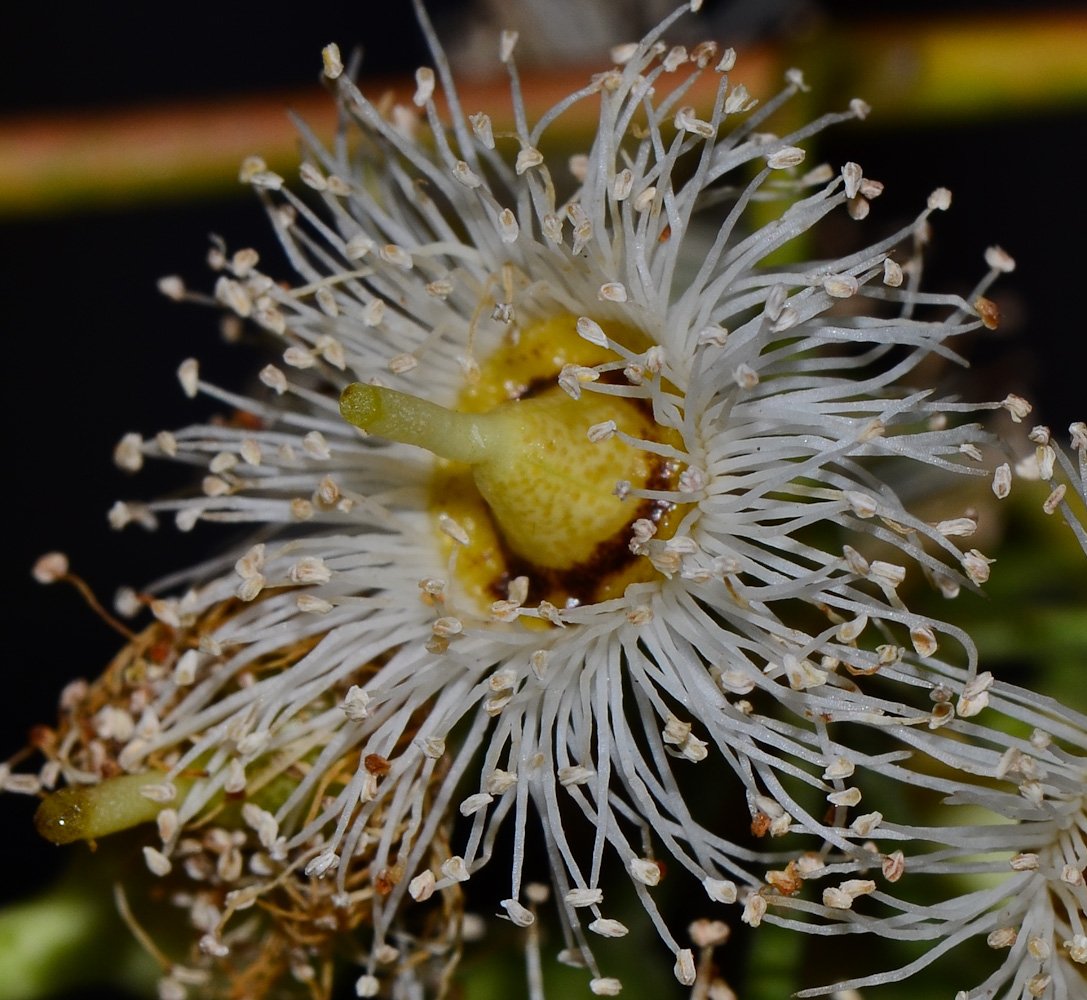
(91, 347)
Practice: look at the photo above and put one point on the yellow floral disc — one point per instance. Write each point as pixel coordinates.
(560, 523)
(530, 473)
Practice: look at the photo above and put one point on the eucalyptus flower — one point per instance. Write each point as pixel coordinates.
(574, 492)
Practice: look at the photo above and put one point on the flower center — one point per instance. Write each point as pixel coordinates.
(530, 473)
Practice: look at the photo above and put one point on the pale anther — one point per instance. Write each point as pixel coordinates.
(424, 86)
(527, 158)
(333, 64)
(396, 255)
(787, 156)
(940, 200)
(507, 43)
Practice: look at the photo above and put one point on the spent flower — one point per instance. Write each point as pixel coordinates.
(569, 502)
